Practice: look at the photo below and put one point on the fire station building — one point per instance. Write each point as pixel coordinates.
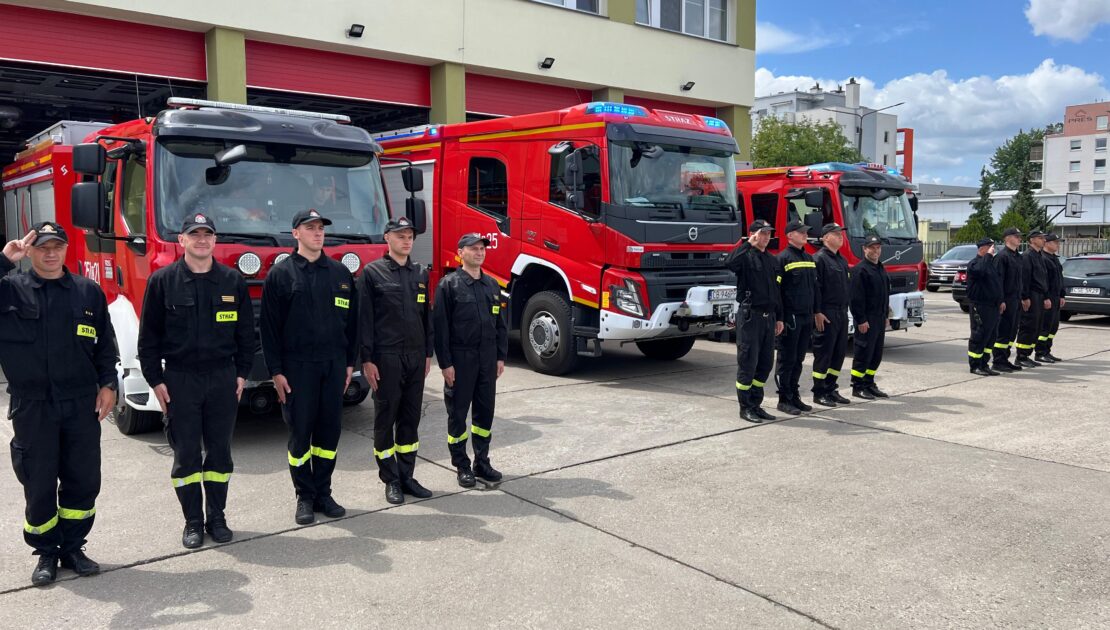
(386, 63)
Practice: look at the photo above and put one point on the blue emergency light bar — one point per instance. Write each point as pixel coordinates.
(714, 123)
(616, 108)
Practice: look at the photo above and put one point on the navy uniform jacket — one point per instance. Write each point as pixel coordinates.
(870, 293)
(984, 282)
(755, 279)
(468, 316)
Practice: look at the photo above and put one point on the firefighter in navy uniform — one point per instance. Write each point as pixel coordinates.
(197, 318)
(830, 318)
(1055, 282)
(310, 343)
(984, 292)
(870, 306)
(1034, 299)
(58, 350)
(395, 330)
(758, 321)
(1008, 263)
(797, 283)
(471, 343)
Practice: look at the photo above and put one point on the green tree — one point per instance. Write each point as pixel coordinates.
(1025, 204)
(981, 221)
(780, 143)
(1012, 159)
(1012, 218)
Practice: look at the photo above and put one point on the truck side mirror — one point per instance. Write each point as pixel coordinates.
(572, 180)
(815, 198)
(413, 179)
(89, 207)
(416, 213)
(89, 158)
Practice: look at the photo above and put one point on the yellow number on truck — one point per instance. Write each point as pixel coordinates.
(342, 302)
(84, 330)
(227, 316)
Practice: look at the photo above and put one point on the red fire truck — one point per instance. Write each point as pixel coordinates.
(865, 199)
(249, 168)
(606, 222)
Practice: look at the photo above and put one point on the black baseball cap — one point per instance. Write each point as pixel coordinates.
(759, 225)
(398, 224)
(196, 221)
(795, 226)
(47, 231)
(1035, 234)
(1052, 236)
(984, 241)
(1013, 231)
(831, 227)
(872, 239)
(304, 216)
(470, 238)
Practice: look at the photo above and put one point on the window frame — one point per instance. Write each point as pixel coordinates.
(125, 169)
(1073, 186)
(572, 5)
(1102, 167)
(1099, 149)
(554, 183)
(1076, 144)
(1095, 187)
(1102, 123)
(654, 9)
(1075, 166)
(500, 218)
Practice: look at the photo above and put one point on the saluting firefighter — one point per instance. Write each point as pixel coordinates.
(830, 319)
(870, 306)
(984, 292)
(396, 338)
(758, 321)
(1008, 263)
(1034, 299)
(797, 283)
(1055, 283)
(197, 318)
(471, 342)
(58, 350)
(310, 343)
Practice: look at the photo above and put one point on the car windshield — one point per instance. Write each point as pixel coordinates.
(889, 218)
(262, 192)
(671, 176)
(1087, 267)
(963, 252)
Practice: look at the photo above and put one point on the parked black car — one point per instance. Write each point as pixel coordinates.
(959, 288)
(1086, 286)
(942, 271)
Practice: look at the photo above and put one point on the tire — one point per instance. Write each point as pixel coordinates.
(546, 337)
(355, 394)
(932, 288)
(131, 421)
(1065, 315)
(666, 349)
(965, 308)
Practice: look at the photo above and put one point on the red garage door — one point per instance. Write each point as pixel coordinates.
(650, 103)
(292, 69)
(508, 97)
(78, 41)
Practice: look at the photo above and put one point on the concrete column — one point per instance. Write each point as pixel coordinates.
(622, 11)
(227, 65)
(739, 120)
(448, 93)
(609, 94)
(745, 24)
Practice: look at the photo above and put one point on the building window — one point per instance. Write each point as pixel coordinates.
(886, 160)
(1100, 166)
(886, 138)
(1073, 167)
(1100, 145)
(1100, 122)
(488, 186)
(589, 6)
(1073, 186)
(1076, 145)
(1099, 185)
(704, 18)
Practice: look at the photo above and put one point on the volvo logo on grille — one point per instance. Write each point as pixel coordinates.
(693, 234)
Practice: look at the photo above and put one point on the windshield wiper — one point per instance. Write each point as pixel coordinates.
(357, 238)
(238, 237)
(1092, 274)
(719, 204)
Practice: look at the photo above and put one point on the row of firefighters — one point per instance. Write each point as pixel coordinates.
(196, 347)
(796, 299)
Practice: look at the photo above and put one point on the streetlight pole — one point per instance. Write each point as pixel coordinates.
(859, 123)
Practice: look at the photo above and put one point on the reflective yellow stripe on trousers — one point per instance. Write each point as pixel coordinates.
(858, 374)
(479, 431)
(297, 462)
(742, 387)
(216, 477)
(322, 453)
(184, 481)
(40, 529)
(407, 448)
(386, 454)
(455, 440)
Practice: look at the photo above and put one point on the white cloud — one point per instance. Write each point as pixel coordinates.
(771, 39)
(958, 123)
(1073, 20)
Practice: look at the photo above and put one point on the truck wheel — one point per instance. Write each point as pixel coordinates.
(131, 421)
(965, 308)
(546, 337)
(932, 288)
(666, 349)
(1065, 315)
(355, 394)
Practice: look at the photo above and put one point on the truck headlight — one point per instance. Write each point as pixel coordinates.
(351, 261)
(627, 298)
(249, 264)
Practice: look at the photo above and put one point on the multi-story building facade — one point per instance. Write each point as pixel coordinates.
(1075, 159)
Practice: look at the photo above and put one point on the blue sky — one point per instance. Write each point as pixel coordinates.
(971, 73)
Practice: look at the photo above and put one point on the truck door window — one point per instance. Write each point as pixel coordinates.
(591, 177)
(132, 205)
(765, 206)
(488, 186)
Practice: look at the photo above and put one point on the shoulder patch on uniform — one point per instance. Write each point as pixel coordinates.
(227, 298)
(344, 286)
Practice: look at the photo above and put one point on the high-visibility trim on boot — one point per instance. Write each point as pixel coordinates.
(455, 440)
(974, 355)
(742, 387)
(1025, 346)
(216, 477)
(322, 453)
(179, 482)
(386, 454)
(479, 431)
(407, 448)
(297, 462)
(40, 529)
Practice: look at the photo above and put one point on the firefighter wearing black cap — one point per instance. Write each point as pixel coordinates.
(58, 350)
(1008, 263)
(471, 343)
(870, 306)
(984, 292)
(1055, 282)
(1034, 299)
(797, 282)
(310, 343)
(197, 318)
(758, 321)
(396, 338)
(830, 318)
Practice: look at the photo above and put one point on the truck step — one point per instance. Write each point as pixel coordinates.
(588, 347)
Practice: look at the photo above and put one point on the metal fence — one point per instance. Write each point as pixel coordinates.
(1068, 247)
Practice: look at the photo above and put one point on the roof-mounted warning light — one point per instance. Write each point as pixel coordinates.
(187, 103)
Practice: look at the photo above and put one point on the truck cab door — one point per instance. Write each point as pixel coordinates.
(487, 199)
(131, 263)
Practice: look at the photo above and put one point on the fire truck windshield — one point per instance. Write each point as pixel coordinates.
(890, 218)
(262, 192)
(671, 176)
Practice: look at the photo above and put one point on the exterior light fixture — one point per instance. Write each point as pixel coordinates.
(547, 63)
(356, 31)
(686, 87)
